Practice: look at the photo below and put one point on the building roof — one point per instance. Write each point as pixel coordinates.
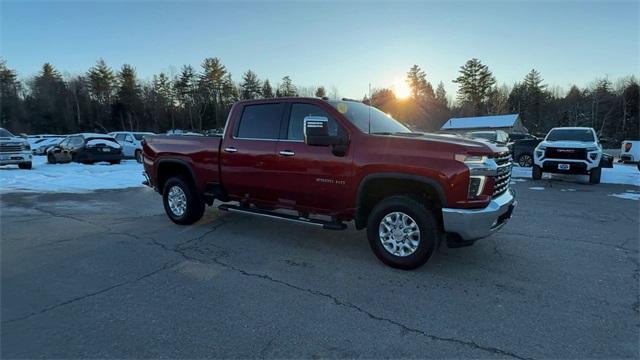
(494, 121)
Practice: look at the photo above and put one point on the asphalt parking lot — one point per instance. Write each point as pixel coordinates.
(107, 275)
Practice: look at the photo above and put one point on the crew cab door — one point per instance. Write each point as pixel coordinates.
(248, 153)
(311, 177)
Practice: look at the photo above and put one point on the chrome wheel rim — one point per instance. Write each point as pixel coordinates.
(399, 234)
(525, 161)
(177, 201)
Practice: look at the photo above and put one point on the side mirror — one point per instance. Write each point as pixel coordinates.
(316, 132)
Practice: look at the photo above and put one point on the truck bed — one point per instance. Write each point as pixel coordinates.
(201, 153)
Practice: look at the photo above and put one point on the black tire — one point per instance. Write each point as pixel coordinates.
(638, 165)
(25, 166)
(594, 175)
(138, 156)
(194, 204)
(423, 217)
(536, 172)
(51, 159)
(525, 160)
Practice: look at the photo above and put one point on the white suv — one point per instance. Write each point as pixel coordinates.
(131, 143)
(569, 150)
(14, 150)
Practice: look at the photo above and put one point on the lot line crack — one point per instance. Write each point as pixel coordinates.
(53, 214)
(95, 293)
(349, 305)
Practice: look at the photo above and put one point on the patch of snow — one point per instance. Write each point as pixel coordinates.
(536, 188)
(628, 195)
(72, 177)
(619, 174)
(568, 190)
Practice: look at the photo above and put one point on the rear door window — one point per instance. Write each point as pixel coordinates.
(260, 121)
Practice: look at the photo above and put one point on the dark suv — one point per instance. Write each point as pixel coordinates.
(86, 148)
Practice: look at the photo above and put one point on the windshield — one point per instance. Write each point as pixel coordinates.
(585, 135)
(484, 135)
(358, 114)
(5, 133)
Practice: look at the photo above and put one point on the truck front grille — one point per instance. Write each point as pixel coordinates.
(11, 148)
(502, 180)
(565, 153)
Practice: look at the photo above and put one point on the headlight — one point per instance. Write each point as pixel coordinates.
(539, 153)
(593, 156)
(470, 159)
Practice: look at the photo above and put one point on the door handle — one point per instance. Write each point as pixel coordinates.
(287, 153)
(230, 149)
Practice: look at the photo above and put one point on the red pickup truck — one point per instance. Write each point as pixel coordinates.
(323, 163)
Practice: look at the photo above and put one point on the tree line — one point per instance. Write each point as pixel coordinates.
(103, 99)
(612, 109)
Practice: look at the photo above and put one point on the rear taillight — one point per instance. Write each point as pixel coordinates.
(627, 147)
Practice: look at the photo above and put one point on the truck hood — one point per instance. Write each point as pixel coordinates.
(473, 145)
(569, 144)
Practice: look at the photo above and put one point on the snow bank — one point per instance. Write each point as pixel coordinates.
(96, 142)
(619, 174)
(72, 177)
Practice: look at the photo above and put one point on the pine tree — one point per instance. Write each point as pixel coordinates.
(9, 100)
(47, 100)
(321, 92)
(186, 91)
(286, 88)
(421, 89)
(474, 83)
(211, 84)
(267, 90)
(250, 86)
(101, 82)
(128, 98)
(441, 94)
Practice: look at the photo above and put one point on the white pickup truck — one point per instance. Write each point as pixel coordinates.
(569, 150)
(14, 150)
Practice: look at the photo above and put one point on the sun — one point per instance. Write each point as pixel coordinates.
(401, 89)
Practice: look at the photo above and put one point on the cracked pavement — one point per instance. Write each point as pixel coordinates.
(107, 275)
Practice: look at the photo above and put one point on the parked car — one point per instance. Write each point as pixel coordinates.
(630, 151)
(14, 150)
(569, 150)
(343, 160)
(41, 145)
(86, 148)
(522, 150)
(131, 143)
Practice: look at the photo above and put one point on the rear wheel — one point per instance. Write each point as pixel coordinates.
(26, 166)
(181, 202)
(525, 160)
(536, 172)
(138, 156)
(402, 232)
(51, 159)
(594, 175)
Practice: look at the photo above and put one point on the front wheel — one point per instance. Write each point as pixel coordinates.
(525, 160)
(25, 166)
(536, 172)
(138, 156)
(181, 202)
(594, 175)
(51, 159)
(402, 232)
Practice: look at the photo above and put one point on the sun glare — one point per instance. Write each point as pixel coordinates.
(401, 89)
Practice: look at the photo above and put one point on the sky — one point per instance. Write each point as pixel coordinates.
(348, 45)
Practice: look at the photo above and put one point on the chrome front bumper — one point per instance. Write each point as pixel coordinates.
(473, 224)
(15, 157)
